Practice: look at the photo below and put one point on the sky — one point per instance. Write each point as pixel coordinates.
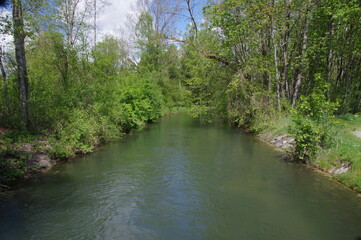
(114, 15)
(109, 20)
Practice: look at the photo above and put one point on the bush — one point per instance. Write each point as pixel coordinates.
(141, 101)
(124, 109)
(77, 133)
(313, 122)
(250, 105)
(12, 168)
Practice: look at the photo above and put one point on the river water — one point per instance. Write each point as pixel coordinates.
(181, 179)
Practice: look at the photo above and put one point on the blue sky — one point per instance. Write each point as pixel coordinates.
(115, 15)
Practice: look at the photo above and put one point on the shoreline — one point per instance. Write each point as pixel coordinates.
(313, 167)
(39, 161)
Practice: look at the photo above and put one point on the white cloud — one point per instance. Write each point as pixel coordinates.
(114, 16)
(5, 39)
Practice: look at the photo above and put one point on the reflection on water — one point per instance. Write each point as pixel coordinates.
(180, 179)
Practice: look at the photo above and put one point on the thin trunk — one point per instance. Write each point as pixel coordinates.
(275, 55)
(95, 22)
(277, 73)
(347, 73)
(194, 23)
(19, 40)
(330, 53)
(300, 71)
(285, 51)
(312, 70)
(340, 72)
(330, 57)
(266, 39)
(71, 29)
(269, 40)
(3, 73)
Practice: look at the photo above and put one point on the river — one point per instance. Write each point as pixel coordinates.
(182, 179)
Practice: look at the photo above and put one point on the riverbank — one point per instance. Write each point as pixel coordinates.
(341, 161)
(180, 177)
(24, 155)
(27, 155)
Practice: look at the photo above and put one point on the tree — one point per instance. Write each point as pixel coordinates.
(5, 82)
(19, 41)
(72, 16)
(97, 6)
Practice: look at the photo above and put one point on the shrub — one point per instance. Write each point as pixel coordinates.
(249, 105)
(313, 121)
(12, 168)
(77, 133)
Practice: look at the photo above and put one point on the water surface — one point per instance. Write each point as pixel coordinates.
(181, 179)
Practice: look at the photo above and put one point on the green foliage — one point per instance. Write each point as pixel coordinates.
(249, 105)
(18, 135)
(244, 59)
(206, 80)
(345, 151)
(108, 57)
(77, 133)
(138, 100)
(313, 121)
(81, 97)
(11, 169)
(13, 165)
(142, 101)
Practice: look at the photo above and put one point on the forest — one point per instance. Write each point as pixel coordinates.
(278, 67)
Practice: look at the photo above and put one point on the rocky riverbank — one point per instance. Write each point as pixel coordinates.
(282, 142)
(23, 160)
(25, 156)
(286, 143)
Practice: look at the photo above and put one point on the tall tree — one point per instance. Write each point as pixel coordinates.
(98, 5)
(19, 41)
(5, 82)
(72, 16)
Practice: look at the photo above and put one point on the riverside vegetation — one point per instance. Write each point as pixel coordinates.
(272, 67)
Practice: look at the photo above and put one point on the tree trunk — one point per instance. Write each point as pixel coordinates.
(349, 63)
(3, 73)
(194, 23)
(277, 74)
(285, 39)
(330, 56)
(95, 22)
(275, 56)
(300, 70)
(266, 39)
(19, 41)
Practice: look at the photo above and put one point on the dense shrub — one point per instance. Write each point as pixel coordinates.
(313, 121)
(128, 107)
(12, 166)
(248, 105)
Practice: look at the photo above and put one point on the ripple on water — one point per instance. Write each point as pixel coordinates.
(182, 180)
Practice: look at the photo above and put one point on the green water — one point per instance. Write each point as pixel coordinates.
(180, 179)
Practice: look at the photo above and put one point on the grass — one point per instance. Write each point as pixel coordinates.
(278, 126)
(345, 150)
(79, 136)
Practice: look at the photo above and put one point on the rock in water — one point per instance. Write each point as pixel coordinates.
(42, 160)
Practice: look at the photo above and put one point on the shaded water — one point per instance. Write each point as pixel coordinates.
(180, 179)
